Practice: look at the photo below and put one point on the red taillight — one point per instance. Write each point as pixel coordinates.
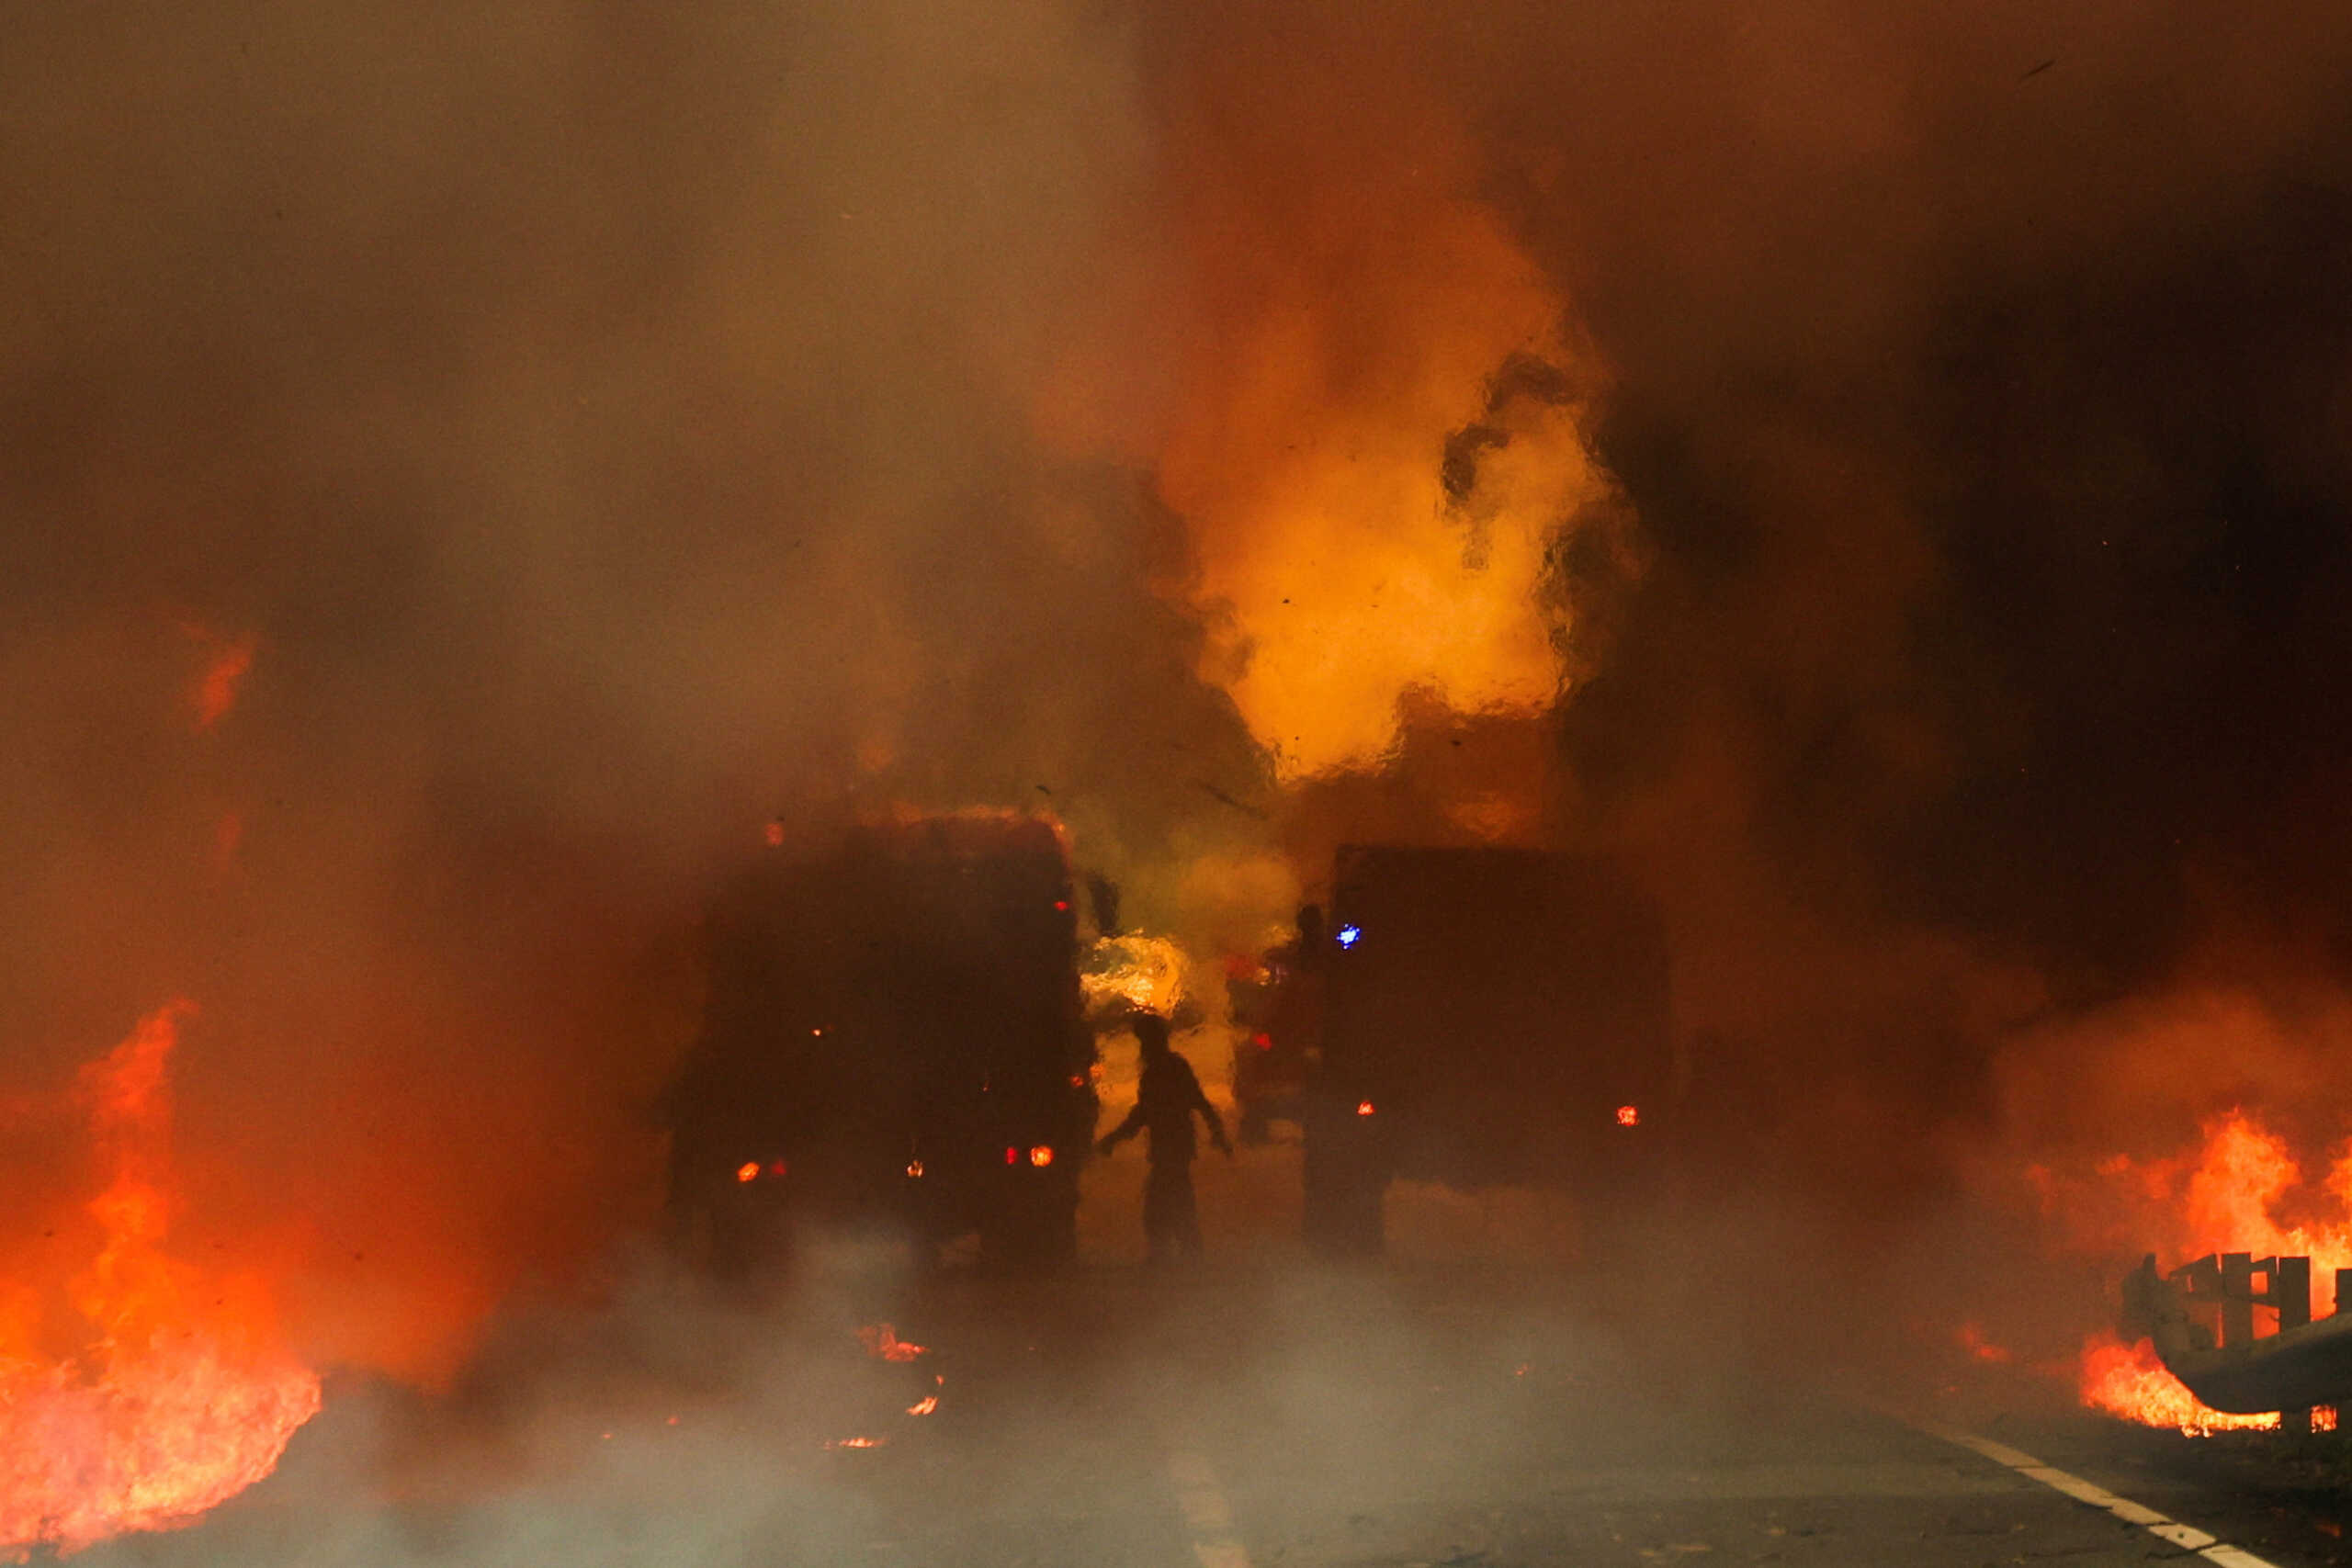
(748, 1171)
(1061, 906)
(1263, 1042)
(1012, 1157)
(1041, 1155)
(775, 1168)
(1629, 1116)
(1363, 1108)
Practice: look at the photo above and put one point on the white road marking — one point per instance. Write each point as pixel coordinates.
(2187, 1537)
(1207, 1515)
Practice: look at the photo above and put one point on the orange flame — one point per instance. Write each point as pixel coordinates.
(2129, 1382)
(882, 1343)
(1372, 422)
(179, 1397)
(2224, 1198)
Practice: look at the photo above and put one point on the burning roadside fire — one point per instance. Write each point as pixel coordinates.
(152, 1390)
(2225, 1198)
(2129, 1383)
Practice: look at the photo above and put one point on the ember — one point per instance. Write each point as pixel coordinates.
(179, 1397)
(882, 1343)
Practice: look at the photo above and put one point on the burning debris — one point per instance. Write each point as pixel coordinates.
(175, 1394)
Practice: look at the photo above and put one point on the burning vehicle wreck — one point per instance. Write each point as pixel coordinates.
(891, 1035)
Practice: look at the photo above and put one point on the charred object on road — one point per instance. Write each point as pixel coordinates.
(892, 1035)
(1490, 1015)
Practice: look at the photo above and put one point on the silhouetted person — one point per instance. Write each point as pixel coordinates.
(1165, 1103)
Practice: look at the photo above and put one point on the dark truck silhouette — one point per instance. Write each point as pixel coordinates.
(891, 1035)
(1489, 1016)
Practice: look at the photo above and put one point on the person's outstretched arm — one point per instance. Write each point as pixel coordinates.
(1125, 1130)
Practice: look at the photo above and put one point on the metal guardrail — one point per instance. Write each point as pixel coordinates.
(2201, 1319)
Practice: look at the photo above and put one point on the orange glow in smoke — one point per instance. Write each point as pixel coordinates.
(1341, 325)
(216, 689)
(774, 834)
(1972, 1339)
(178, 1395)
(882, 1343)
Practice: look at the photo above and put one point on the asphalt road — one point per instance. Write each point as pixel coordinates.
(1259, 1410)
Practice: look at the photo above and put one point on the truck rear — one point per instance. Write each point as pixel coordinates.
(1490, 1016)
(891, 1036)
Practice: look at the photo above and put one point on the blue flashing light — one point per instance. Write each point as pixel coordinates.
(1351, 935)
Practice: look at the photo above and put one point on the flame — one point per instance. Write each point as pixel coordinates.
(178, 1397)
(1325, 528)
(2129, 1382)
(1132, 974)
(2225, 1197)
(923, 1406)
(1370, 421)
(882, 1343)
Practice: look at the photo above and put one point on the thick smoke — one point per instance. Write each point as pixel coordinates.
(608, 431)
